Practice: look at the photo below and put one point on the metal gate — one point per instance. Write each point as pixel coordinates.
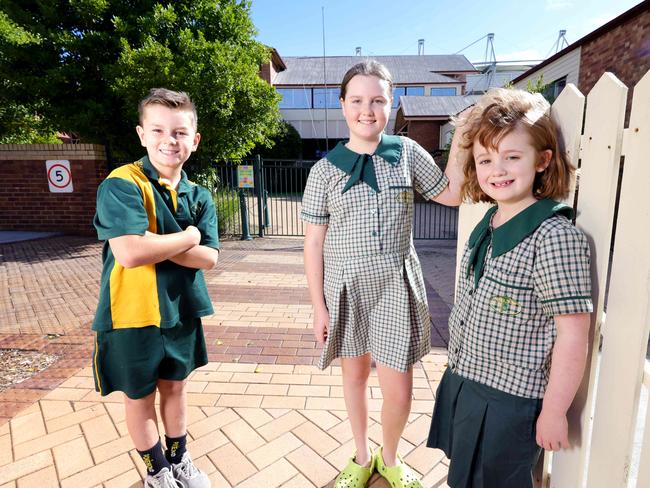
(271, 207)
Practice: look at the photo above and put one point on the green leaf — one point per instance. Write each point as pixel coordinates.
(82, 66)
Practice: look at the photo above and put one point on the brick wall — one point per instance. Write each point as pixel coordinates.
(426, 133)
(624, 51)
(26, 202)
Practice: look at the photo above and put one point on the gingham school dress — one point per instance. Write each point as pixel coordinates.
(502, 333)
(373, 284)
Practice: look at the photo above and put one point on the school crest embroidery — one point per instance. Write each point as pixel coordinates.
(505, 305)
(404, 196)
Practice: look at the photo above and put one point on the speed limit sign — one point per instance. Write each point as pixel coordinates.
(59, 177)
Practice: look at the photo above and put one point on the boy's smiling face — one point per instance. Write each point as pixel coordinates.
(169, 135)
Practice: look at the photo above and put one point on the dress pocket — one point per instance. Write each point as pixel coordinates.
(510, 330)
(399, 199)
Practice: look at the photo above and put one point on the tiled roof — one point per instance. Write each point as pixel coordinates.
(435, 106)
(404, 69)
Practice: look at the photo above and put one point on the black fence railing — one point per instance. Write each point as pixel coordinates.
(271, 207)
(434, 221)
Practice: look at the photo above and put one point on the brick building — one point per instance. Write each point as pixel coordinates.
(622, 47)
(310, 90)
(422, 118)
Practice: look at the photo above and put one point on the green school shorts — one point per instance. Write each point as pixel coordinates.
(133, 360)
(488, 435)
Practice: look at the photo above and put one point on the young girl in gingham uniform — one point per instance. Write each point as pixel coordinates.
(519, 328)
(364, 277)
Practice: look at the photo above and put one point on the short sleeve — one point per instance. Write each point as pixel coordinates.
(429, 180)
(120, 210)
(314, 200)
(206, 220)
(561, 273)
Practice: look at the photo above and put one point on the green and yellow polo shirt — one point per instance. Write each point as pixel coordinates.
(133, 200)
(531, 268)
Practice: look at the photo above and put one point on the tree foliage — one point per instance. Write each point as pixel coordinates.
(286, 144)
(83, 65)
(20, 124)
(536, 86)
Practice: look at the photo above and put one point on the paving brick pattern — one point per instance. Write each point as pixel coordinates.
(260, 413)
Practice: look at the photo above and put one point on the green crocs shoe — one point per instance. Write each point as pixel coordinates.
(399, 476)
(354, 475)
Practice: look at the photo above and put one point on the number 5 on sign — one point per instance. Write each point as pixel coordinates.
(59, 176)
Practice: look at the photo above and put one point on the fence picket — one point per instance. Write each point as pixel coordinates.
(600, 161)
(469, 215)
(568, 113)
(644, 461)
(628, 310)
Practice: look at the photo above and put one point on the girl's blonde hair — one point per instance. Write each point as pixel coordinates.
(495, 115)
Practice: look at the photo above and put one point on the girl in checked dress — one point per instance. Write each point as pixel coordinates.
(364, 277)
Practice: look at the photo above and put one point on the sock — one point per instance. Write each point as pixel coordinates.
(154, 459)
(175, 448)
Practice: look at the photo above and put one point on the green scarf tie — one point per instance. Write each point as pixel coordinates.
(361, 167)
(507, 236)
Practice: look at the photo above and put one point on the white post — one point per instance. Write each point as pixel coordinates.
(600, 155)
(628, 309)
(567, 112)
(644, 461)
(469, 214)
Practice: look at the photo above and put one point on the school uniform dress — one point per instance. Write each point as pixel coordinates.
(514, 280)
(373, 285)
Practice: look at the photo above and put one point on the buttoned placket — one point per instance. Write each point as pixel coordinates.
(375, 233)
(463, 321)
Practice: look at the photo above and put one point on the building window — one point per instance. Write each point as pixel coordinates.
(447, 91)
(295, 97)
(399, 91)
(415, 91)
(329, 96)
(553, 89)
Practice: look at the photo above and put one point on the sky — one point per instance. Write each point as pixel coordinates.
(523, 30)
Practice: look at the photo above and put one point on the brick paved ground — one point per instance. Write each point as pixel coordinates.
(260, 413)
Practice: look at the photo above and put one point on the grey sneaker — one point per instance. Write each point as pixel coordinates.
(164, 479)
(189, 475)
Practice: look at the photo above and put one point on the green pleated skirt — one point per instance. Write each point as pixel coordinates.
(488, 435)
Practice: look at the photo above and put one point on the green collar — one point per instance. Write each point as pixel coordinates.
(360, 167)
(507, 236)
(152, 173)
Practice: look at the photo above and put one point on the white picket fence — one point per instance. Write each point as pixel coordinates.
(604, 414)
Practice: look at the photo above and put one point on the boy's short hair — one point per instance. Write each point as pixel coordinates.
(498, 113)
(369, 67)
(168, 98)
